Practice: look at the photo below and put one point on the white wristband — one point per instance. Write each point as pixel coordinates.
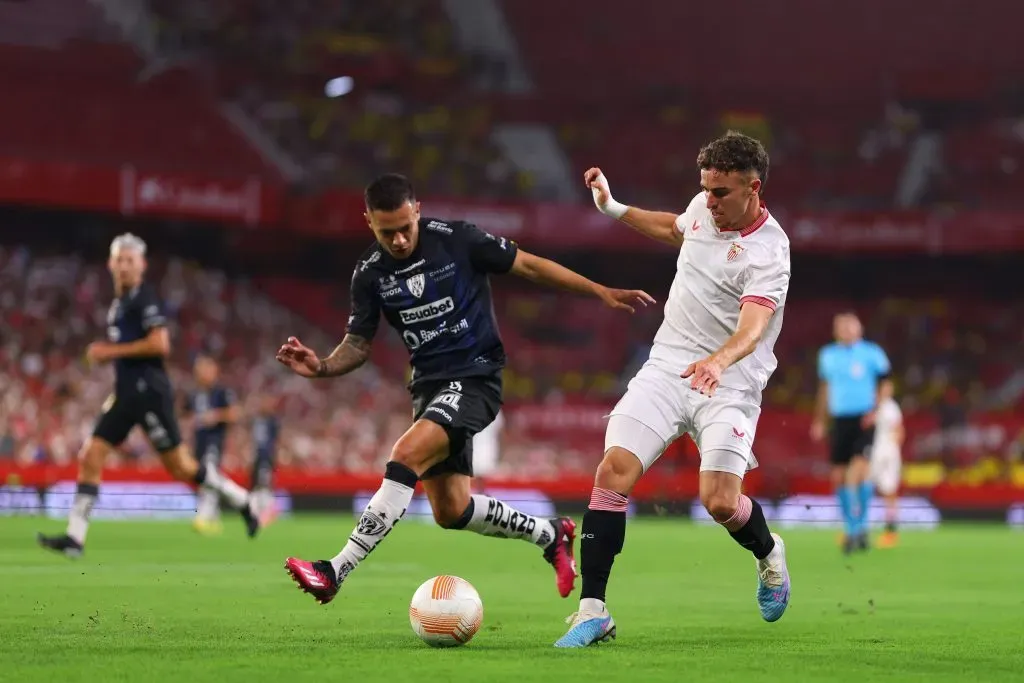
(614, 209)
(611, 208)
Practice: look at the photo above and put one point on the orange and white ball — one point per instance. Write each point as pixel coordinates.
(446, 611)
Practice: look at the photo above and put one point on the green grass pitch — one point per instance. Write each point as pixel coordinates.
(153, 602)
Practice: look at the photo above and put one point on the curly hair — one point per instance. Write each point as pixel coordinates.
(735, 151)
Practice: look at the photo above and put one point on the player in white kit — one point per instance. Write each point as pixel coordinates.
(886, 463)
(709, 364)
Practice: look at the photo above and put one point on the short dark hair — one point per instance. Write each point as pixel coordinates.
(735, 151)
(388, 192)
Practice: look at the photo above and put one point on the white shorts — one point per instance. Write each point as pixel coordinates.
(722, 425)
(885, 469)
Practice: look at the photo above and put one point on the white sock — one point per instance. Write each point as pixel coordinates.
(492, 517)
(592, 605)
(207, 504)
(233, 494)
(81, 508)
(263, 499)
(380, 516)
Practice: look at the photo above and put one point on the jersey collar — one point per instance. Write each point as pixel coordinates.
(761, 219)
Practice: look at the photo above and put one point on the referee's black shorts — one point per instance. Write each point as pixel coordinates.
(849, 439)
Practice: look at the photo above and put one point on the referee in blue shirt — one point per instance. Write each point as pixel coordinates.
(854, 378)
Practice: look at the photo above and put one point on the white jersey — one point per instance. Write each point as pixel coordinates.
(717, 272)
(888, 419)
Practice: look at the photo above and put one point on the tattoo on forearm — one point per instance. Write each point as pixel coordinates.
(346, 357)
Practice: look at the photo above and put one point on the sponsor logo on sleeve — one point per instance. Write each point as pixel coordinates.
(438, 226)
(374, 257)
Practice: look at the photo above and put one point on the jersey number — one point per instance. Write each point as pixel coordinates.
(449, 399)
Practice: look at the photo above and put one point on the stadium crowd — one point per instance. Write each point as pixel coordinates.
(948, 359)
(275, 60)
(51, 397)
(416, 106)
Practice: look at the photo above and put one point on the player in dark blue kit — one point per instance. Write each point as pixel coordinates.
(429, 279)
(265, 428)
(138, 343)
(214, 410)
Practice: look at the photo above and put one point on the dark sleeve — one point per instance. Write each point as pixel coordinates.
(190, 403)
(151, 309)
(364, 315)
(227, 398)
(488, 253)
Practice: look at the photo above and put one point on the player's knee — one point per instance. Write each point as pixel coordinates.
(619, 471)
(838, 476)
(409, 454)
(721, 506)
(858, 470)
(180, 473)
(91, 459)
(180, 466)
(448, 515)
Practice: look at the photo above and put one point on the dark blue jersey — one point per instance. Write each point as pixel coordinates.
(265, 429)
(130, 318)
(202, 400)
(438, 299)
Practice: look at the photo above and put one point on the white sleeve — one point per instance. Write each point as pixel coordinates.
(689, 216)
(681, 223)
(767, 276)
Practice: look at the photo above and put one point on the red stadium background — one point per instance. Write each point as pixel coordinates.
(899, 185)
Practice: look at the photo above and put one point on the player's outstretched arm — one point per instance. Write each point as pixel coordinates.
(350, 354)
(658, 225)
(229, 415)
(547, 272)
(156, 344)
(705, 374)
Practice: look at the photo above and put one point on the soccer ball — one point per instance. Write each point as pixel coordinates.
(446, 611)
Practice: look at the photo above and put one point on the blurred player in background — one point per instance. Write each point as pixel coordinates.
(886, 462)
(265, 428)
(854, 379)
(213, 409)
(138, 342)
(710, 361)
(487, 449)
(429, 278)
